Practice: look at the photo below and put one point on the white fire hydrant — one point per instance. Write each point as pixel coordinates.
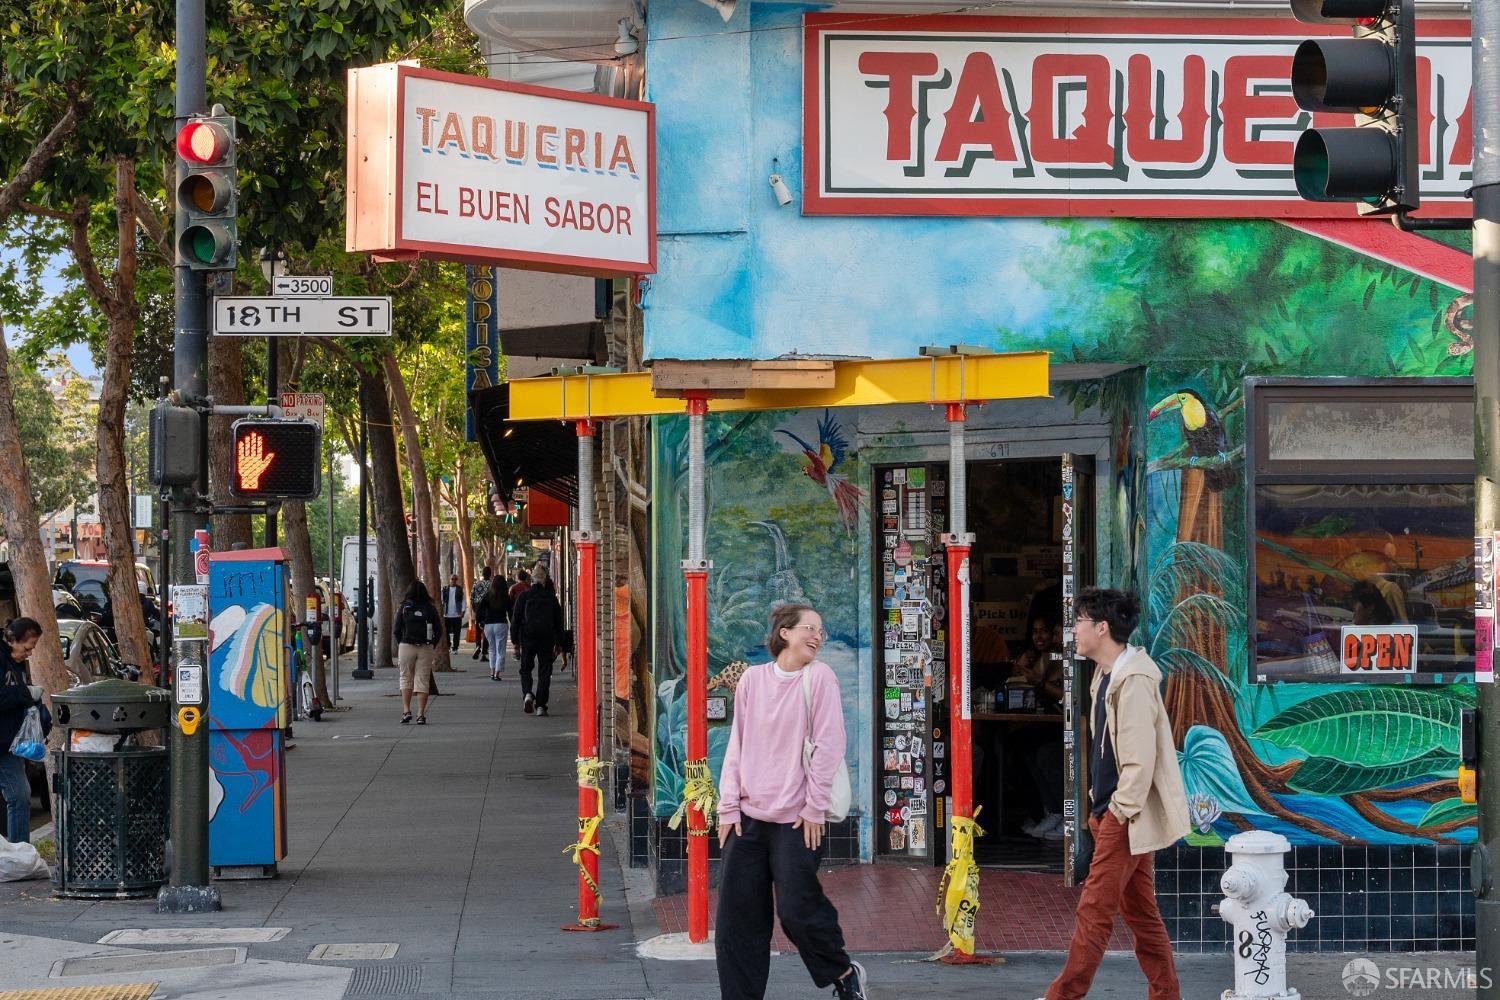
(1260, 913)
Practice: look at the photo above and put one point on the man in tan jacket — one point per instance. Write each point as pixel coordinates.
(1137, 804)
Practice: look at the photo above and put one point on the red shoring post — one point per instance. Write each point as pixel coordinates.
(589, 794)
(695, 572)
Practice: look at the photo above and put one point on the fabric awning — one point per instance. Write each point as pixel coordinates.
(540, 455)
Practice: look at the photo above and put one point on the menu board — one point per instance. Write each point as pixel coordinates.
(913, 759)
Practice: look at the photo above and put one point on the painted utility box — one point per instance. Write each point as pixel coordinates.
(249, 711)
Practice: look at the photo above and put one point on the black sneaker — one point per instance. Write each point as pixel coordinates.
(852, 986)
(529, 705)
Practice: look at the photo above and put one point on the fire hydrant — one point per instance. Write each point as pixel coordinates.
(1260, 913)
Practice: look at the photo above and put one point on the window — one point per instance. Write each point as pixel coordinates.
(1361, 516)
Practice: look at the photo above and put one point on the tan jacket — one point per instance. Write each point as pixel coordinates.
(1149, 799)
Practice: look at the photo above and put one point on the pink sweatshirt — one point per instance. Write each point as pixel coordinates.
(763, 776)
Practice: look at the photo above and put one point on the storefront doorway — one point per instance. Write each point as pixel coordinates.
(1030, 546)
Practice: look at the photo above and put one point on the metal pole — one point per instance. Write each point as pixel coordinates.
(958, 542)
(695, 571)
(189, 889)
(366, 599)
(273, 397)
(1486, 104)
(590, 771)
(333, 635)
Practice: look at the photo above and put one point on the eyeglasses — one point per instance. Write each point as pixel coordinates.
(821, 633)
(1091, 621)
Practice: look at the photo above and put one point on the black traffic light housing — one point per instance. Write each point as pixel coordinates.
(1374, 76)
(174, 445)
(207, 196)
(276, 459)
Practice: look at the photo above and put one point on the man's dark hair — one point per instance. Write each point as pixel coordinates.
(1120, 610)
(524, 576)
(486, 572)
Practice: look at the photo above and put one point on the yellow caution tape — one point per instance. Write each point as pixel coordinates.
(958, 892)
(590, 775)
(697, 790)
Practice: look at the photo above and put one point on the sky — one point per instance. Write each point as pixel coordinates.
(52, 284)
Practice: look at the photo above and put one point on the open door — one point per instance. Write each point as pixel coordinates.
(1078, 551)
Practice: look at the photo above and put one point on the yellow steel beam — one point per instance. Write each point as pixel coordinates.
(946, 379)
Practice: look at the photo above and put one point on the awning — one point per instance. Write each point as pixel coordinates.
(541, 456)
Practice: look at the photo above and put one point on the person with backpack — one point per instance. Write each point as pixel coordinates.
(492, 615)
(777, 784)
(418, 628)
(539, 624)
(476, 595)
(17, 695)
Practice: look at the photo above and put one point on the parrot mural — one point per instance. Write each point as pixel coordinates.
(819, 463)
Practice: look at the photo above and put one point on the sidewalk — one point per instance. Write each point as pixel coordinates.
(447, 841)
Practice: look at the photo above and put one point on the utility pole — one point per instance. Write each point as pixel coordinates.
(333, 633)
(189, 889)
(273, 396)
(1486, 34)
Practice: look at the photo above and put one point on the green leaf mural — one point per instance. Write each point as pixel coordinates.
(1369, 727)
(1447, 811)
(1326, 776)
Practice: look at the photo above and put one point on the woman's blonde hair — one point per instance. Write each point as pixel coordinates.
(786, 616)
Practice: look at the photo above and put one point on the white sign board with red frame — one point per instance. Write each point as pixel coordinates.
(1089, 116)
(490, 172)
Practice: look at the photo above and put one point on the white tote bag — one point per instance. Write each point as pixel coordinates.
(840, 795)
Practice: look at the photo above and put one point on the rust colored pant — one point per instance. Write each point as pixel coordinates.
(1118, 882)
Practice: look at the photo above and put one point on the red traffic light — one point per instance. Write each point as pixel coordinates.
(203, 142)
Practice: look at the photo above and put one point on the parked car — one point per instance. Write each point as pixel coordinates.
(64, 603)
(88, 581)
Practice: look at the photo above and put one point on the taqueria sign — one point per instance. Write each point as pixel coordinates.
(489, 172)
(1098, 116)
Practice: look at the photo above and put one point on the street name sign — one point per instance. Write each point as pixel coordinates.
(272, 316)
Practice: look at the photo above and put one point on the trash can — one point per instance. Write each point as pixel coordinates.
(113, 809)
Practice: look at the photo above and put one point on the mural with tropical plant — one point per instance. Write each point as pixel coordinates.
(1194, 308)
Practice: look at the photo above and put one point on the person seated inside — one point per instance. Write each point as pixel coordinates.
(1039, 744)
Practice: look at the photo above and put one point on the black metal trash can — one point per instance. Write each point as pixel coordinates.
(113, 808)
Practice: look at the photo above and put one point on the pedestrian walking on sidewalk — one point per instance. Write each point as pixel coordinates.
(538, 624)
(452, 598)
(476, 594)
(1137, 804)
(418, 629)
(492, 614)
(17, 694)
(522, 584)
(772, 813)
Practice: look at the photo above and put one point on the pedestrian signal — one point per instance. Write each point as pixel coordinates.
(277, 460)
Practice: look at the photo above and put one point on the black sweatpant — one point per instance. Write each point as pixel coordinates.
(764, 855)
(453, 631)
(539, 656)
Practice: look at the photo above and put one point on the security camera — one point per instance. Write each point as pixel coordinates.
(783, 193)
(724, 7)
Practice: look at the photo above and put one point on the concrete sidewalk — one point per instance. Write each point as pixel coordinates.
(447, 841)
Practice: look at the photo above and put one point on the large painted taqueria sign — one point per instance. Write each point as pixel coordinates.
(490, 172)
(1089, 116)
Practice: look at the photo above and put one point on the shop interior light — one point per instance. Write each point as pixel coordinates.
(627, 44)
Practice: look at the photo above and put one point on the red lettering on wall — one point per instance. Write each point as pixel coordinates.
(1243, 109)
(978, 116)
(1463, 143)
(1140, 116)
(900, 70)
(1089, 143)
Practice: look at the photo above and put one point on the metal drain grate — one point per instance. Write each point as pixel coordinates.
(385, 980)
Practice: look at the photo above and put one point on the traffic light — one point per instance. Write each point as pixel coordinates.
(1373, 75)
(207, 200)
(277, 460)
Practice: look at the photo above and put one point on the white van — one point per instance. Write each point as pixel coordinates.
(349, 581)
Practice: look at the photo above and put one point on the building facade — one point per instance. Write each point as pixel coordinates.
(1259, 420)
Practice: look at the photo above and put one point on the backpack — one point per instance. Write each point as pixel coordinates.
(417, 625)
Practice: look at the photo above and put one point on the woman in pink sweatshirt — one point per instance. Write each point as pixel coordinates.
(771, 816)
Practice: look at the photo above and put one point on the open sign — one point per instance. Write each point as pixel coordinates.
(1379, 649)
